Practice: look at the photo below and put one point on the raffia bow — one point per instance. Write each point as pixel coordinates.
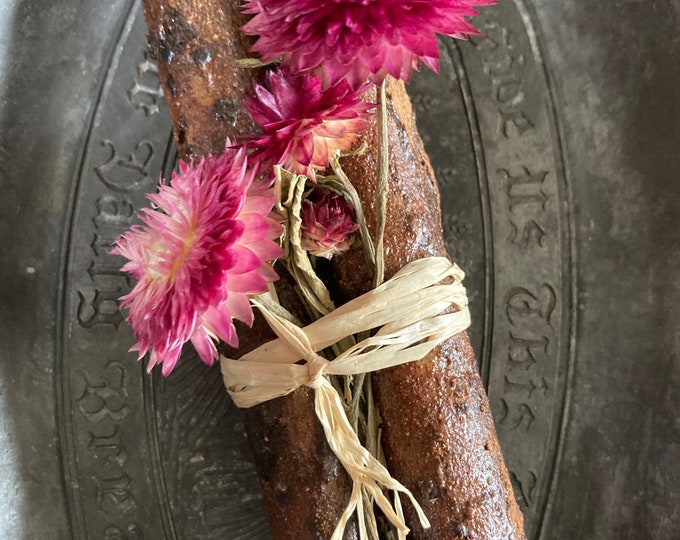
(410, 312)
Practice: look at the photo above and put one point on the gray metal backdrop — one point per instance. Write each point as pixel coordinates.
(556, 140)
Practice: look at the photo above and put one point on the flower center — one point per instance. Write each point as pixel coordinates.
(161, 254)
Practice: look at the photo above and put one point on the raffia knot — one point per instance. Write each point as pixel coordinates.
(316, 367)
(412, 314)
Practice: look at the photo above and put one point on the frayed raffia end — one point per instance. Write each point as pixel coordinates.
(410, 312)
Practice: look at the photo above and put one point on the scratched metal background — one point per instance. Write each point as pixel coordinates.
(555, 139)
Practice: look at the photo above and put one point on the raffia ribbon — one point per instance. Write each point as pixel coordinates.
(410, 312)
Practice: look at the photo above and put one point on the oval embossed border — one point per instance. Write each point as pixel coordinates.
(109, 411)
(529, 341)
(108, 451)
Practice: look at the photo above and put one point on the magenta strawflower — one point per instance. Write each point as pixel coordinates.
(302, 125)
(328, 224)
(204, 246)
(356, 40)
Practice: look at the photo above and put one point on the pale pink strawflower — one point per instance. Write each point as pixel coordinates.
(356, 40)
(304, 126)
(204, 246)
(328, 224)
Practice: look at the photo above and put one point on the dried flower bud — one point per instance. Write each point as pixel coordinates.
(304, 126)
(328, 223)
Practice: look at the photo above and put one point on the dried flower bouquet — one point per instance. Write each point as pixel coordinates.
(305, 163)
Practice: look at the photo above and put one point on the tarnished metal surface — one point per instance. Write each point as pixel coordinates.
(554, 136)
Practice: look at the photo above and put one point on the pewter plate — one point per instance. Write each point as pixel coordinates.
(554, 137)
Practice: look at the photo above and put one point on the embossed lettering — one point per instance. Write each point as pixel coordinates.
(146, 91)
(517, 415)
(102, 244)
(524, 486)
(145, 97)
(483, 42)
(525, 188)
(106, 267)
(531, 235)
(113, 494)
(114, 211)
(522, 303)
(513, 123)
(531, 294)
(503, 70)
(446, 176)
(522, 351)
(504, 64)
(456, 226)
(104, 403)
(107, 447)
(129, 173)
(132, 532)
(529, 386)
(509, 93)
(99, 308)
(99, 304)
(106, 398)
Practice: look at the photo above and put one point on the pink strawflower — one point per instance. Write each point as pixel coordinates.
(202, 249)
(356, 40)
(302, 125)
(327, 224)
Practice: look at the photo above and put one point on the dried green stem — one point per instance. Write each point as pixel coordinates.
(383, 185)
